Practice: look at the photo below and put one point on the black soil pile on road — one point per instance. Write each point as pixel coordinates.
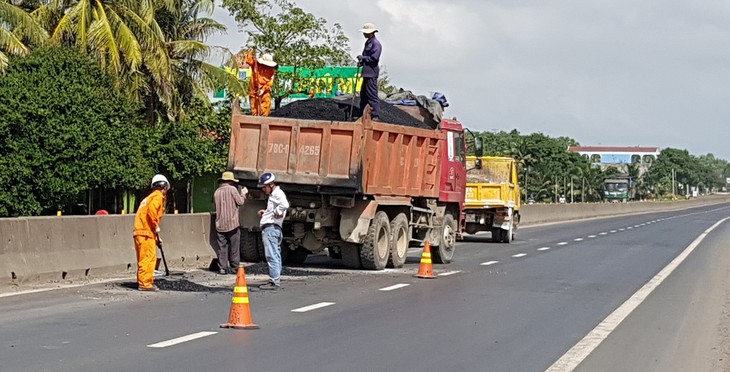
(339, 110)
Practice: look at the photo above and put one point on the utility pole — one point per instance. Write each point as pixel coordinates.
(571, 189)
(674, 185)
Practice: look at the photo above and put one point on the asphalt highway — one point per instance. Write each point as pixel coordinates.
(523, 306)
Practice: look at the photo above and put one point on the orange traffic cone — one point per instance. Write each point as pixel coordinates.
(426, 269)
(240, 316)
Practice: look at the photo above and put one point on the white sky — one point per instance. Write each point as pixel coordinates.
(603, 72)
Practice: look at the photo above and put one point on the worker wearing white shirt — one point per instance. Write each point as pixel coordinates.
(272, 219)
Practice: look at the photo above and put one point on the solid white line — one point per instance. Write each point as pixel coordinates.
(570, 360)
(488, 263)
(591, 236)
(313, 307)
(450, 273)
(392, 287)
(543, 249)
(563, 243)
(518, 255)
(578, 239)
(182, 339)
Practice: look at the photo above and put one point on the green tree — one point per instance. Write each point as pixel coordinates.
(18, 30)
(64, 130)
(295, 38)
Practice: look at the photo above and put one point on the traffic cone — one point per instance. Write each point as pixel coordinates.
(240, 316)
(425, 271)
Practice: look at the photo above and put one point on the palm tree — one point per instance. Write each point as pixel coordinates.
(18, 30)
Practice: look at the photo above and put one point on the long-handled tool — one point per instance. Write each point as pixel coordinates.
(164, 261)
(354, 88)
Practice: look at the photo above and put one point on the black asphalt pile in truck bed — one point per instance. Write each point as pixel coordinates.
(339, 110)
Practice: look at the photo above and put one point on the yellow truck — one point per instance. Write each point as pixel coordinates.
(492, 201)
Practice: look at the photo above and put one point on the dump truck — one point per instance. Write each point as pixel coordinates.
(365, 190)
(492, 200)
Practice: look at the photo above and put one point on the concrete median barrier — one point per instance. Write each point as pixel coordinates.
(37, 249)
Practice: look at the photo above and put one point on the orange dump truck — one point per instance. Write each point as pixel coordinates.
(364, 191)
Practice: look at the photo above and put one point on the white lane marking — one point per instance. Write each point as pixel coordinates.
(543, 249)
(591, 236)
(392, 287)
(612, 231)
(450, 273)
(578, 239)
(621, 229)
(313, 307)
(518, 255)
(563, 243)
(182, 339)
(603, 233)
(489, 263)
(637, 225)
(570, 360)
(629, 228)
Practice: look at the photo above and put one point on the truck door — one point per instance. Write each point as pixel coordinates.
(453, 173)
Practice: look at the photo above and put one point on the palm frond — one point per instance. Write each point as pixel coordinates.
(127, 41)
(202, 28)
(11, 44)
(102, 40)
(188, 49)
(22, 23)
(3, 61)
(213, 77)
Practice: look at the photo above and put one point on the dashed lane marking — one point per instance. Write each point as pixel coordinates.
(489, 263)
(313, 307)
(578, 353)
(578, 239)
(603, 233)
(563, 243)
(518, 255)
(450, 273)
(180, 340)
(612, 231)
(592, 236)
(392, 287)
(543, 249)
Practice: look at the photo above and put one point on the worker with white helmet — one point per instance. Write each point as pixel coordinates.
(272, 220)
(262, 77)
(147, 230)
(369, 60)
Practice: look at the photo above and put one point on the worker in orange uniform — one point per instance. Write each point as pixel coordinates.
(262, 75)
(147, 230)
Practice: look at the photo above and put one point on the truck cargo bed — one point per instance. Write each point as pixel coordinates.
(362, 157)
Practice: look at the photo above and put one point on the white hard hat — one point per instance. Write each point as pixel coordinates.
(159, 178)
(369, 28)
(267, 59)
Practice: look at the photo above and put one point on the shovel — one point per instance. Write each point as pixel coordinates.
(354, 87)
(164, 261)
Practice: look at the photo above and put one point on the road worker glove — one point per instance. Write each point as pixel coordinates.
(261, 92)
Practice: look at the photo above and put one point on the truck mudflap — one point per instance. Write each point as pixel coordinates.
(355, 221)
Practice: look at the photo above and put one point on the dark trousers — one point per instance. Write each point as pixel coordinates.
(229, 248)
(369, 95)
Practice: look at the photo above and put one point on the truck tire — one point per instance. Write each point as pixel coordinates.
(508, 235)
(249, 246)
(351, 255)
(376, 249)
(399, 241)
(445, 250)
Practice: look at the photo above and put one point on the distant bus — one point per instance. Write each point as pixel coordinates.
(616, 190)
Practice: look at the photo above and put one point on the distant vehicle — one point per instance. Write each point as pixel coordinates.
(617, 190)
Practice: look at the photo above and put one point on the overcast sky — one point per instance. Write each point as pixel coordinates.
(603, 72)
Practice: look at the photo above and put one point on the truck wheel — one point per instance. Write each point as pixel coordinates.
(399, 241)
(445, 251)
(496, 235)
(508, 235)
(351, 255)
(376, 249)
(249, 246)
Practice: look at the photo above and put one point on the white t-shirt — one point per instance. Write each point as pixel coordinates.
(277, 205)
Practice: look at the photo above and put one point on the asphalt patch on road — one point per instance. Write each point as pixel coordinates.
(179, 285)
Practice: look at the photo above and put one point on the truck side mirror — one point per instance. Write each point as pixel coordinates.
(478, 148)
(478, 163)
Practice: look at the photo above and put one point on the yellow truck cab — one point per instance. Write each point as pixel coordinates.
(492, 200)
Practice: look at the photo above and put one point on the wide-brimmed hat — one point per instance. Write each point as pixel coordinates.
(268, 60)
(369, 28)
(228, 176)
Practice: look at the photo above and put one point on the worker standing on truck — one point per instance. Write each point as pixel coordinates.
(262, 76)
(369, 60)
(147, 232)
(227, 200)
(272, 219)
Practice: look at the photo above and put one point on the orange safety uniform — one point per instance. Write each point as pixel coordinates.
(146, 223)
(261, 78)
